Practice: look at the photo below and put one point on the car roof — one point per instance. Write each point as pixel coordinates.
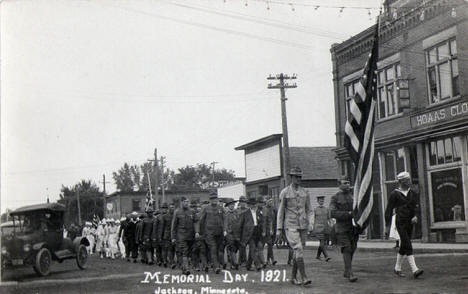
(7, 224)
(52, 207)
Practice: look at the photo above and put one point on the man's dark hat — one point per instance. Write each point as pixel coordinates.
(213, 195)
(164, 205)
(229, 202)
(242, 199)
(206, 202)
(320, 197)
(252, 201)
(260, 199)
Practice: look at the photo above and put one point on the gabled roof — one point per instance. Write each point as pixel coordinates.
(37, 207)
(317, 163)
(260, 141)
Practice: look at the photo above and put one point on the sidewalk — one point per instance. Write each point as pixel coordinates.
(418, 246)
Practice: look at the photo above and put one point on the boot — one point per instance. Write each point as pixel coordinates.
(347, 258)
(301, 268)
(294, 280)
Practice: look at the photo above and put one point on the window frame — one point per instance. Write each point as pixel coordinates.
(385, 84)
(433, 67)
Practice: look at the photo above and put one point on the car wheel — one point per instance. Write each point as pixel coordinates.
(82, 257)
(43, 262)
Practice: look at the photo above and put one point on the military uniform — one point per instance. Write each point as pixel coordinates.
(182, 231)
(321, 219)
(294, 213)
(147, 241)
(165, 237)
(270, 233)
(341, 208)
(199, 247)
(211, 222)
(139, 238)
(156, 238)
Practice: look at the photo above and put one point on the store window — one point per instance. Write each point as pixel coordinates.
(350, 91)
(387, 90)
(444, 151)
(394, 163)
(442, 71)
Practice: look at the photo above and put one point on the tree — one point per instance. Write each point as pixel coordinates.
(201, 176)
(91, 201)
(124, 179)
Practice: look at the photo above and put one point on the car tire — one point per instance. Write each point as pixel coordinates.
(82, 257)
(43, 262)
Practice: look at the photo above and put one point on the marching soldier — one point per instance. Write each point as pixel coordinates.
(165, 235)
(199, 247)
(182, 232)
(341, 208)
(139, 237)
(131, 247)
(155, 235)
(148, 253)
(405, 202)
(232, 233)
(211, 221)
(293, 217)
(321, 219)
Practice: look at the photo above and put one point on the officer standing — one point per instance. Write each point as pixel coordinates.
(211, 221)
(293, 217)
(182, 232)
(199, 247)
(341, 208)
(139, 238)
(242, 206)
(232, 233)
(155, 234)
(405, 202)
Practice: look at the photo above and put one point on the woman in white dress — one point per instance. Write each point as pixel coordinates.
(112, 240)
(120, 242)
(89, 235)
(100, 238)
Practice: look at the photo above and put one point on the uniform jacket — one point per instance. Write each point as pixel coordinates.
(165, 226)
(246, 223)
(139, 231)
(155, 235)
(406, 206)
(183, 225)
(341, 207)
(147, 228)
(269, 214)
(211, 221)
(294, 210)
(129, 230)
(231, 224)
(197, 225)
(321, 218)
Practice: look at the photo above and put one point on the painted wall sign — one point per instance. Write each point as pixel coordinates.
(443, 114)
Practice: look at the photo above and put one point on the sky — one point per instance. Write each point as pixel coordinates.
(89, 85)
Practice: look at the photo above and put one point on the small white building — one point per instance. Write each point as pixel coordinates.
(232, 190)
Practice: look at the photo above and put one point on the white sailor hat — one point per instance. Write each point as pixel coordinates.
(403, 175)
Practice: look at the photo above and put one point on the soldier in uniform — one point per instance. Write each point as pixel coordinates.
(242, 206)
(182, 232)
(165, 235)
(405, 202)
(294, 213)
(321, 219)
(199, 247)
(131, 246)
(270, 226)
(155, 235)
(232, 233)
(341, 208)
(211, 221)
(139, 237)
(147, 230)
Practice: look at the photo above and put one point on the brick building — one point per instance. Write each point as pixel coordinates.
(422, 110)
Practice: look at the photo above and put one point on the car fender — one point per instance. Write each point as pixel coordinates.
(80, 240)
(38, 246)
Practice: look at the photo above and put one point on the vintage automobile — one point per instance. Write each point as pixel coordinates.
(37, 239)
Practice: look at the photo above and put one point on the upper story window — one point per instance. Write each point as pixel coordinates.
(350, 90)
(387, 91)
(444, 151)
(442, 71)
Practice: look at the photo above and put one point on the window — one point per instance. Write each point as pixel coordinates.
(442, 71)
(447, 195)
(443, 151)
(387, 93)
(136, 205)
(394, 163)
(350, 90)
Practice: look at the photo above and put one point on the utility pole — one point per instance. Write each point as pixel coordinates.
(156, 180)
(212, 172)
(104, 204)
(78, 204)
(282, 86)
(163, 182)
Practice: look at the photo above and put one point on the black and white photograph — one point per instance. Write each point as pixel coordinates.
(233, 146)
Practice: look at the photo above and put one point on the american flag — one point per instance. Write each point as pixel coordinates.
(359, 136)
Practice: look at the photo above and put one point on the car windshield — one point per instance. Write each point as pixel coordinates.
(8, 230)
